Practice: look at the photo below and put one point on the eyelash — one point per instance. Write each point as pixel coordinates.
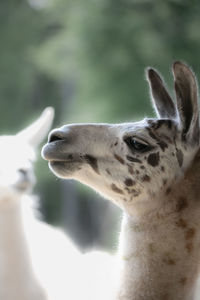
(137, 145)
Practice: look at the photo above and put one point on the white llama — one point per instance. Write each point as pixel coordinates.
(151, 169)
(28, 248)
(38, 262)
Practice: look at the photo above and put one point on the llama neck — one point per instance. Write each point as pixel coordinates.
(159, 250)
(154, 266)
(16, 272)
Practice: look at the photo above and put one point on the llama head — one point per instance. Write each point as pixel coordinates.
(133, 163)
(18, 154)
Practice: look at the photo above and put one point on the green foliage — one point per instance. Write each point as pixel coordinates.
(104, 46)
(87, 59)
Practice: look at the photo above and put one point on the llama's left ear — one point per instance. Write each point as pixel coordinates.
(187, 102)
(38, 130)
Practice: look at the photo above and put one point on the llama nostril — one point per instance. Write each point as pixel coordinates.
(55, 136)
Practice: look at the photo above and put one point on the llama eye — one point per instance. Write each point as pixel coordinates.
(136, 145)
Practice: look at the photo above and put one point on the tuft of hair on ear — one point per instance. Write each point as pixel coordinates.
(161, 100)
(186, 90)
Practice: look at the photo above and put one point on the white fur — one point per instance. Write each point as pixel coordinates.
(37, 261)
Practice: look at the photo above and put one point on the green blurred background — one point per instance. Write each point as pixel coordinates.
(87, 60)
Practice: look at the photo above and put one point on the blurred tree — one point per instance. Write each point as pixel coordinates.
(105, 45)
(22, 86)
(24, 90)
(87, 59)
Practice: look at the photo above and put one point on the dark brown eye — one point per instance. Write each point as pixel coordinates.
(137, 145)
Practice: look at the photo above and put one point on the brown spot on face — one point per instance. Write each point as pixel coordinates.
(133, 159)
(153, 159)
(129, 182)
(136, 193)
(181, 223)
(162, 169)
(119, 158)
(189, 247)
(181, 204)
(130, 169)
(108, 171)
(92, 161)
(116, 189)
(169, 124)
(183, 281)
(137, 172)
(168, 190)
(159, 123)
(190, 233)
(146, 178)
(179, 155)
(151, 134)
(116, 143)
(168, 139)
(168, 260)
(164, 181)
(162, 145)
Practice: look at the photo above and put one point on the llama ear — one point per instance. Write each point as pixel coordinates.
(187, 101)
(162, 102)
(36, 132)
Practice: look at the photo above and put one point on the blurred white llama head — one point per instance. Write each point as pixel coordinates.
(17, 153)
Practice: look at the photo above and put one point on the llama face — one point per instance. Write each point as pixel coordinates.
(130, 163)
(16, 164)
(18, 154)
(125, 163)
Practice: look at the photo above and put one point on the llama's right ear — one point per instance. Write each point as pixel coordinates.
(187, 102)
(162, 102)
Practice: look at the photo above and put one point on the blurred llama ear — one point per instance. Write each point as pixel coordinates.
(38, 130)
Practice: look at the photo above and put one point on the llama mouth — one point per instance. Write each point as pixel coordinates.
(23, 186)
(64, 164)
(61, 163)
(63, 168)
(57, 157)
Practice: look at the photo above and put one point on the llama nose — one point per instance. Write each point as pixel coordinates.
(56, 135)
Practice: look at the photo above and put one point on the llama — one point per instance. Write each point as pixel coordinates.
(151, 170)
(17, 277)
(28, 247)
(38, 262)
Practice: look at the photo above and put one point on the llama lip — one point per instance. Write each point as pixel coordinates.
(52, 151)
(55, 156)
